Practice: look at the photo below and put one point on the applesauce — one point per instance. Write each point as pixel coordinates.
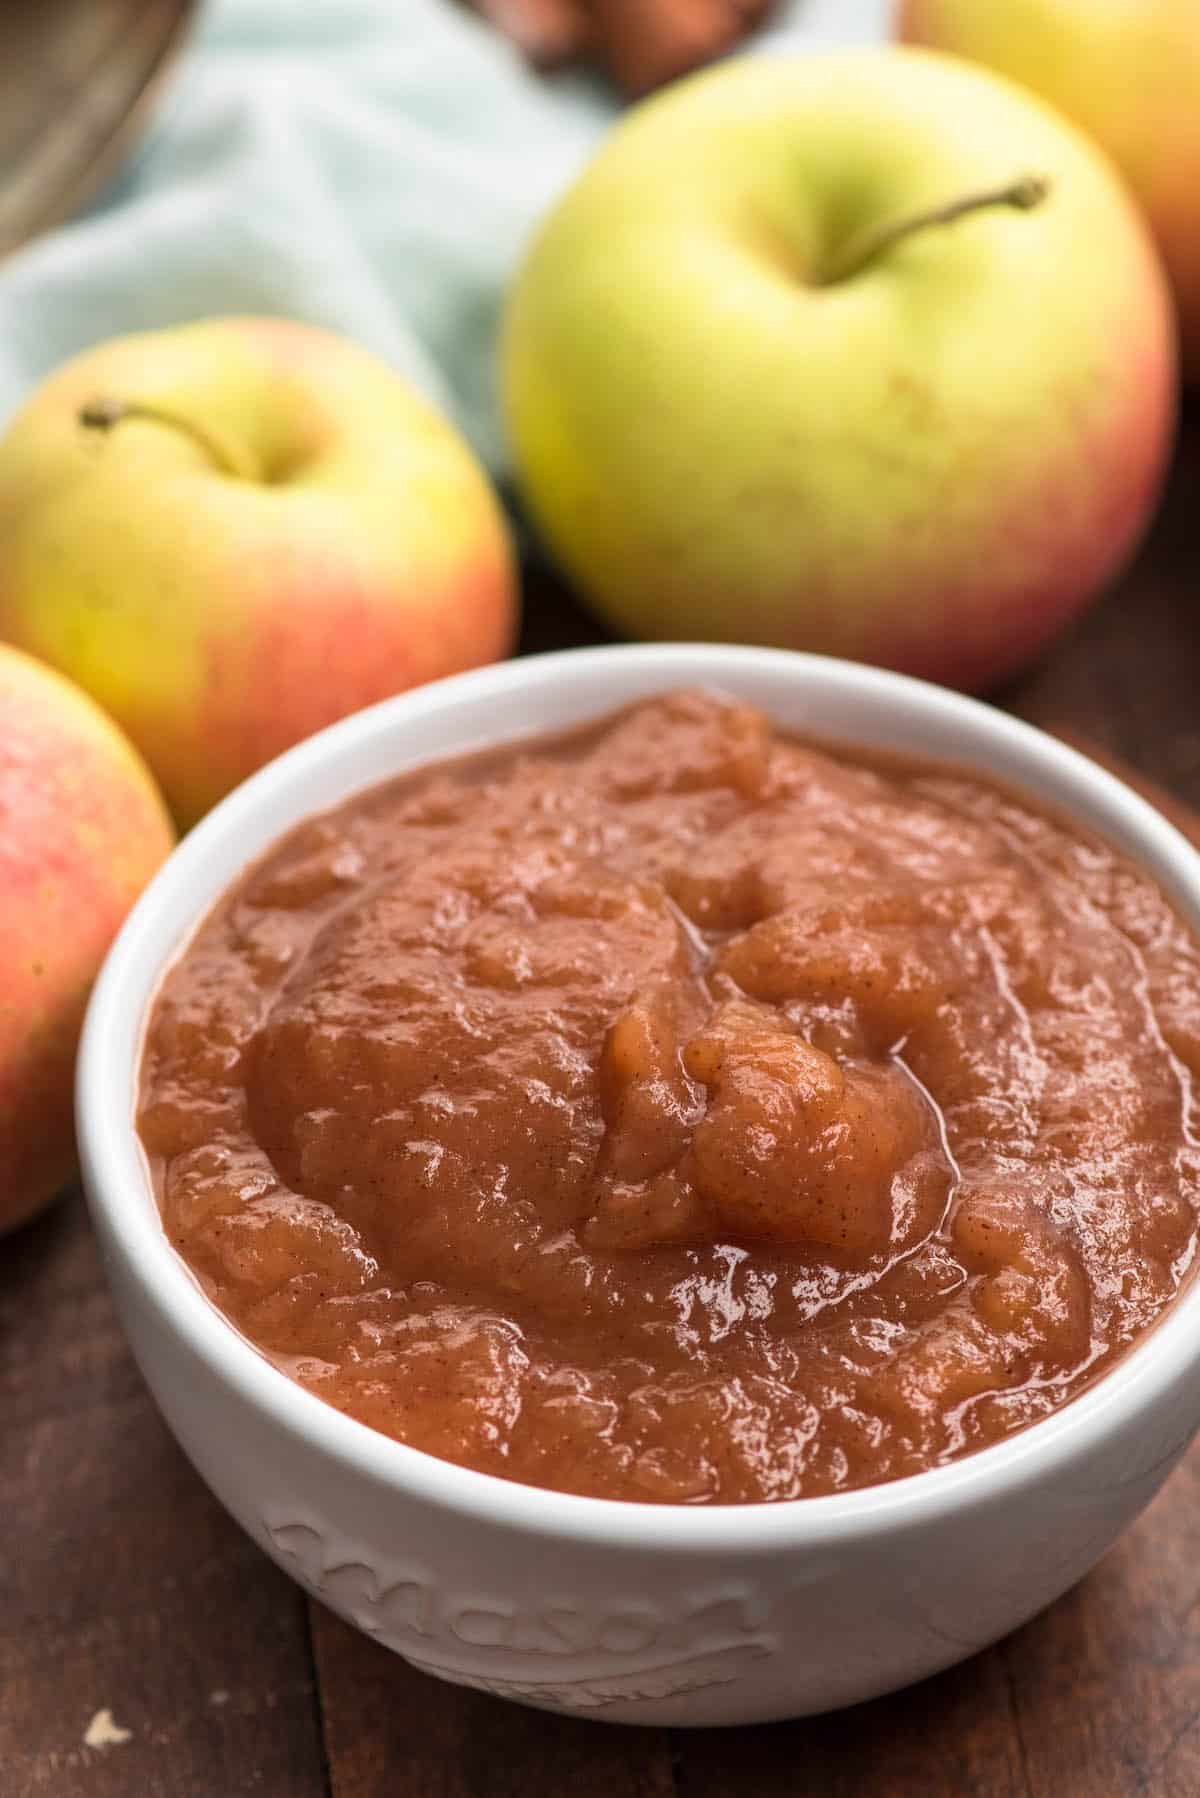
(677, 1111)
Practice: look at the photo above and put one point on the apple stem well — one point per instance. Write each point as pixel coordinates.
(104, 414)
(1021, 195)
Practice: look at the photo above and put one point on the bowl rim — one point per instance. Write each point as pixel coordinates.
(117, 1187)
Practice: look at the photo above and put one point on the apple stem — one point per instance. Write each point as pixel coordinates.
(104, 414)
(1022, 195)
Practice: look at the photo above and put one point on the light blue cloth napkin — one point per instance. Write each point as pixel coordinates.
(375, 166)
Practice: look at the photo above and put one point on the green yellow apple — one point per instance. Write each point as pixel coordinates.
(865, 352)
(84, 827)
(232, 533)
(1128, 71)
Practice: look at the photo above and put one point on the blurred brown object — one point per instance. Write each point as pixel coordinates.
(549, 32)
(77, 78)
(639, 43)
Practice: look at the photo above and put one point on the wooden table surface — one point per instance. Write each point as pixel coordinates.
(124, 1586)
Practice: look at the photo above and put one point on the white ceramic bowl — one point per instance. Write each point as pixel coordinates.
(639, 1613)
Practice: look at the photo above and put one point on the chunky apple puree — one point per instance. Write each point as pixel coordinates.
(675, 1111)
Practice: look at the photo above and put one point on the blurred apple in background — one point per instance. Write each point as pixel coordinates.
(235, 532)
(753, 396)
(1128, 71)
(84, 828)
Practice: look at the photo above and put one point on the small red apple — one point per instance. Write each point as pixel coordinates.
(82, 828)
(235, 532)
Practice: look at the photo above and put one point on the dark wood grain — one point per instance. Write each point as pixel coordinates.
(948, 1738)
(123, 1585)
(391, 1732)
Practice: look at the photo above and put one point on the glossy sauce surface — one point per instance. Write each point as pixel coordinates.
(679, 1112)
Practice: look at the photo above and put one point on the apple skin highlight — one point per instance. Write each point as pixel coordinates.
(277, 532)
(933, 464)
